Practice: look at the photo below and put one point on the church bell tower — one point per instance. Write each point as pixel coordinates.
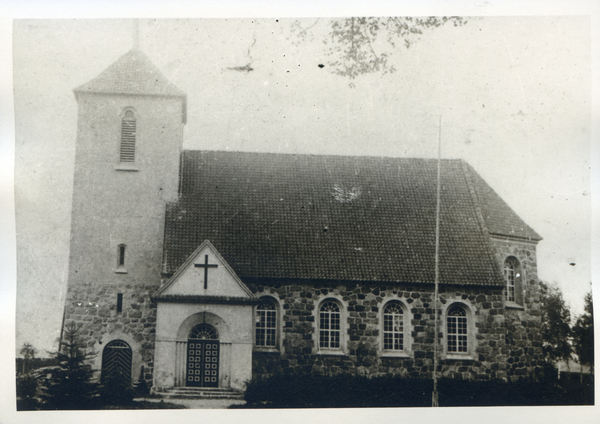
(129, 139)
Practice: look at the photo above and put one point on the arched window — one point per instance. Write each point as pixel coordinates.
(329, 325)
(203, 332)
(121, 268)
(512, 276)
(128, 129)
(266, 324)
(393, 327)
(509, 275)
(456, 330)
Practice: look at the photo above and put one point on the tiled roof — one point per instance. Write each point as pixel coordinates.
(133, 73)
(332, 218)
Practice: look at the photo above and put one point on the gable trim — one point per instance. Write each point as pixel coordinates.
(187, 263)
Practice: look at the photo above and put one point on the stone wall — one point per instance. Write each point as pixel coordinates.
(502, 347)
(525, 252)
(94, 308)
(523, 321)
(506, 340)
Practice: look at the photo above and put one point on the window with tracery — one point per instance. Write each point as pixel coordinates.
(393, 327)
(456, 321)
(266, 324)
(329, 325)
(204, 332)
(128, 136)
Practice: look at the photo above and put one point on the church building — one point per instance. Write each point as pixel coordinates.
(209, 269)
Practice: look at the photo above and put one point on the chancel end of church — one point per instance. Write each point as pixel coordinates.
(209, 269)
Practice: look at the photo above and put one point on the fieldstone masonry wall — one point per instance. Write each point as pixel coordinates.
(526, 254)
(523, 322)
(506, 337)
(505, 342)
(94, 308)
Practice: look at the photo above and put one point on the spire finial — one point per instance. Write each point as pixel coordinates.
(136, 34)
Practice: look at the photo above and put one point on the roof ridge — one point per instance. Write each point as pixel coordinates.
(184, 151)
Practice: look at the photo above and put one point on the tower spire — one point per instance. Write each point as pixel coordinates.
(136, 34)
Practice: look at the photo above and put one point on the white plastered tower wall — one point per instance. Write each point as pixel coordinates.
(122, 204)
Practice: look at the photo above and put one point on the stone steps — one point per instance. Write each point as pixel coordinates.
(202, 393)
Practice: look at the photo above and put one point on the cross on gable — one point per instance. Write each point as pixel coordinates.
(206, 265)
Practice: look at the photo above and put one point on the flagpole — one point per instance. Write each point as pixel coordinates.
(435, 396)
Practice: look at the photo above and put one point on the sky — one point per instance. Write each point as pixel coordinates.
(513, 95)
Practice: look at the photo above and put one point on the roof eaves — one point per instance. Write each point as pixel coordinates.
(182, 298)
(521, 238)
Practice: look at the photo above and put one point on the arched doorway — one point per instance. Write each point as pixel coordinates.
(203, 357)
(116, 362)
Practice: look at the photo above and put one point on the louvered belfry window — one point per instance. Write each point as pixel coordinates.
(128, 128)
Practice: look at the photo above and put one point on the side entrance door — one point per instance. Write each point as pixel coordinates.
(203, 357)
(116, 362)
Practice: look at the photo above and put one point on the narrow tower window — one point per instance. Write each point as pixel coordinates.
(119, 303)
(121, 269)
(128, 128)
(121, 255)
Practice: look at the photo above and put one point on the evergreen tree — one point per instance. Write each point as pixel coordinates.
(583, 334)
(556, 329)
(71, 385)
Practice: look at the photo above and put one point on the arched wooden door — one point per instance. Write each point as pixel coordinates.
(116, 361)
(203, 357)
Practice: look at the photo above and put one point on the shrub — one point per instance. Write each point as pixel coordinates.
(141, 388)
(27, 386)
(116, 391)
(340, 391)
(345, 391)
